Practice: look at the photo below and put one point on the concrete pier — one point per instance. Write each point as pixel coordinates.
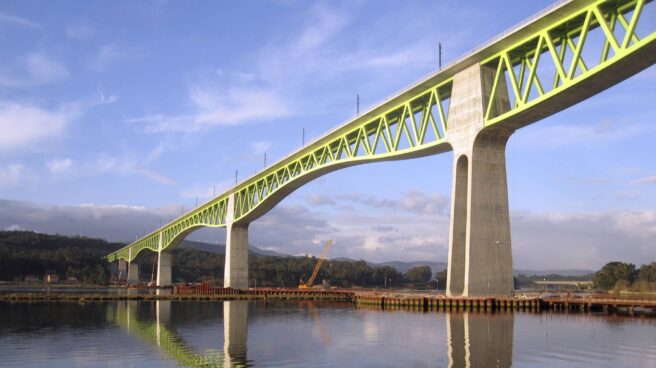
(164, 272)
(480, 256)
(122, 269)
(236, 259)
(133, 273)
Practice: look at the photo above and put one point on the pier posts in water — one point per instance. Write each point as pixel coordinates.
(480, 256)
(236, 256)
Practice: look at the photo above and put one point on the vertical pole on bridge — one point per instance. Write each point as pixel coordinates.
(480, 259)
(236, 255)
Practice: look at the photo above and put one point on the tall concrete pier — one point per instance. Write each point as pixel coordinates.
(480, 257)
(236, 256)
(133, 273)
(164, 271)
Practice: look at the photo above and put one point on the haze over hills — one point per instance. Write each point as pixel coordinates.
(400, 266)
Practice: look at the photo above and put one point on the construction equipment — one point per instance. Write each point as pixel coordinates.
(308, 284)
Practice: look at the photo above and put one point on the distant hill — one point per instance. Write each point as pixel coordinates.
(405, 266)
(564, 272)
(220, 249)
(400, 266)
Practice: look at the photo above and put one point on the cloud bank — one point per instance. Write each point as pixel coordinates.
(413, 227)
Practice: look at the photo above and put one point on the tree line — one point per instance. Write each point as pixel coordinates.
(26, 253)
(620, 276)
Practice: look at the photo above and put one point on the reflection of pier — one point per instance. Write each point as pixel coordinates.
(479, 339)
(156, 332)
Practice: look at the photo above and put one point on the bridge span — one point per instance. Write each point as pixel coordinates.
(562, 56)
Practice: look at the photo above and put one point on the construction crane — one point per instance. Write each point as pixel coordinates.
(304, 285)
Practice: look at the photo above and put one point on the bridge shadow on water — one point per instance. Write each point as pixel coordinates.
(473, 339)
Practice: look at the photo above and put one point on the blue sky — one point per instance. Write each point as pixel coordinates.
(119, 114)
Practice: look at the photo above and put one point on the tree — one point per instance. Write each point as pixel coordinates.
(419, 274)
(614, 272)
(647, 272)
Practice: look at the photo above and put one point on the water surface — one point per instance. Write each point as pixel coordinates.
(309, 334)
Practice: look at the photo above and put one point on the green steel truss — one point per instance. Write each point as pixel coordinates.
(548, 58)
(418, 124)
(567, 52)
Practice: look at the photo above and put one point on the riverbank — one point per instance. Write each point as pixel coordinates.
(365, 299)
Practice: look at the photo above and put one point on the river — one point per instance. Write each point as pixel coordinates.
(312, 334)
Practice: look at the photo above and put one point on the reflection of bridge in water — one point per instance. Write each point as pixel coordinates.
(473, 339)
(158, 333)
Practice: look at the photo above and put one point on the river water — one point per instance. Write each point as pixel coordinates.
(312, 334)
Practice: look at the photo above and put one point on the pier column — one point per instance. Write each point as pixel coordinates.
(133, 273)
(480, 256)
(122, 269)
(236, 257)
(164, 265)
(235, 331)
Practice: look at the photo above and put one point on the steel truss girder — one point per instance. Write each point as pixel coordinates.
(567, 52)
(415, 125)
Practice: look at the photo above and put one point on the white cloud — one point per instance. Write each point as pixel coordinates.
(559, 135)
(215, 108)
(260, 147)
(15, 21)
(12, 174)
(540, 240)
(43, 69)
(110, 54)
(35, 69)
(646, 180)
(59, 165)
(26, 125)
(124, 164)
(206, 191)
(277, 84)
(79, 31)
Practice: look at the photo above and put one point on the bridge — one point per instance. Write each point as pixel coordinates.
(578, 284)
(560, 57)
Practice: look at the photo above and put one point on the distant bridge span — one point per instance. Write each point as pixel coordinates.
(552, 61)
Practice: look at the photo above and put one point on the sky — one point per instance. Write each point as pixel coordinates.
(116, 116)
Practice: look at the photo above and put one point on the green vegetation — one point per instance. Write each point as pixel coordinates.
(25, 253)
(620, 276)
